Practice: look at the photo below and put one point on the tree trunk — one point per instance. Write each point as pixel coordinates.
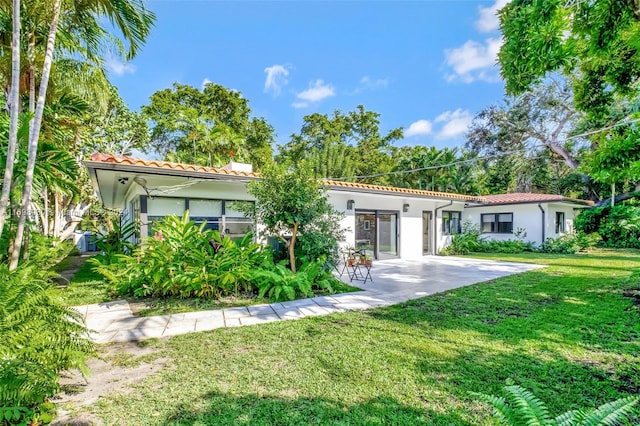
(13, 100)
(618, 198)
(292, 247)
(34, 135)
(75, 220)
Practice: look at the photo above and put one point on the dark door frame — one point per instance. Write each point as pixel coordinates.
(376, 242)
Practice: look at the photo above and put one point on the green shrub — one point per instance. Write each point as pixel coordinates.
(570, 243)
(521, 407)
(465, 242)
(40, 337)
(280, 284)
(185, 259)
(116, 241)
(619, 226)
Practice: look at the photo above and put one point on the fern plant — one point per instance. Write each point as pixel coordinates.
(40, 337)
(523, 408)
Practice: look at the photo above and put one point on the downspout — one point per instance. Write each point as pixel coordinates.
(543, 221)
(435, 226)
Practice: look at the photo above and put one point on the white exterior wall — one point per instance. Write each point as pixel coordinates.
(527, 217)
(410, 228)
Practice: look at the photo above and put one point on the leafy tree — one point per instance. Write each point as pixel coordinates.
(292, 204)
(116, 131)
(356, 133)
(593, 43)
(528, 142)
(332, 161)
(210, 126)
(82, 34)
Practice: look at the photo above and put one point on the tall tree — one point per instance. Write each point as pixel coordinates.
(359, 131)
(595, 44)
(211, 126)
(81, 23)
(14, 110)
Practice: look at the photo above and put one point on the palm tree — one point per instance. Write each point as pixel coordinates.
(14, 110)
(81, 25)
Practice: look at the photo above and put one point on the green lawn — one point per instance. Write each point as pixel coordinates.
(88, 287)
(565, 332)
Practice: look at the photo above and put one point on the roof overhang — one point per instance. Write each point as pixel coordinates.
(112, 181)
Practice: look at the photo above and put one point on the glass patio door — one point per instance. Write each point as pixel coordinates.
(377, 232)
(387, 235)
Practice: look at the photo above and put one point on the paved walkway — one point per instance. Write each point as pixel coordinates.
(395, 281)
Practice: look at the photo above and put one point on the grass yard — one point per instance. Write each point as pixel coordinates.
(565, 332)
(87, 287)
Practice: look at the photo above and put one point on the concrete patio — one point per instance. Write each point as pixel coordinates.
(394, 281)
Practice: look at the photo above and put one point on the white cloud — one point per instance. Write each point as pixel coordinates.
(371, 83)
(474, 61)
(317, 91)
(115, 65)
(456, 123)
(420, 127)
(488, 20)
(276, 79)
(205, 82)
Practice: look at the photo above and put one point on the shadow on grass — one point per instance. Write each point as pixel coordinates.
(255, 410)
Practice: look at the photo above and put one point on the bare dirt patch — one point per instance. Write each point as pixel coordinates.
(118, 366)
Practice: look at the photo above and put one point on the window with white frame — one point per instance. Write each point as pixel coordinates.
(451, 222)
(560, 223)
(496, 223)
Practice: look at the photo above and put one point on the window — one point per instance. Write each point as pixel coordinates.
(223, 215)
(451, 222)
(496, 223)
(560, 223)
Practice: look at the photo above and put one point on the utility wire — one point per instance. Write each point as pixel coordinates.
(438, 166)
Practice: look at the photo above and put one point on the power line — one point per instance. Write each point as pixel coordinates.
(439, 166)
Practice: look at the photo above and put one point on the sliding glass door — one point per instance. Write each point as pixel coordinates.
(377, 232)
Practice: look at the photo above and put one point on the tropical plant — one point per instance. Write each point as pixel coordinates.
(291, 203)
(40, 337)
(521, 407)
(280, 283)
(466, 241)
(185, 259)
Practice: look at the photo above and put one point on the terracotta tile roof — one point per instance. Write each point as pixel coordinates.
(121, 159)
(488, 199)
(408, 191)
(521, 197)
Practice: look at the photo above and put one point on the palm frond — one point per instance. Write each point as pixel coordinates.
(531, 409)
(609, 414)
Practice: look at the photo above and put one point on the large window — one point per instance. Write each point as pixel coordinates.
(223, 215)
(451, 222)
(560, 223)
(497, 223)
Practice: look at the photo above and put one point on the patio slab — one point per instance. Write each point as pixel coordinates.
(395, 281)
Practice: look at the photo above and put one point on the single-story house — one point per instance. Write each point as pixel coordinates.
(391, 222)
(530, 217)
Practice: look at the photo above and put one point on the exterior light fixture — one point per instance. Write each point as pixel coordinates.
(350, 204)
(405, 207)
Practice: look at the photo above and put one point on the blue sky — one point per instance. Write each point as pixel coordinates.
(425, 66)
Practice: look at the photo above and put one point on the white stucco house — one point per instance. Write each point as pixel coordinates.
(391, 222)
(533, 217)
